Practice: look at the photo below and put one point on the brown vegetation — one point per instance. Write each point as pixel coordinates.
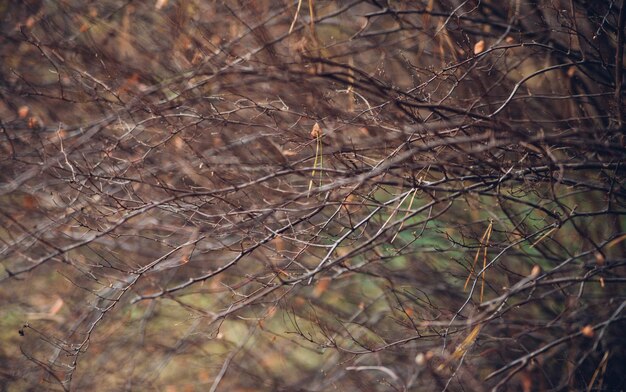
(312, 195)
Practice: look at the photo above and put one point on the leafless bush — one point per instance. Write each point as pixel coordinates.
(308, 195)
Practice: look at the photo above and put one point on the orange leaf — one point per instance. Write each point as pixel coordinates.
(30, 22)
(587, 331)
(160, 4)
(316, 131)
(479, 47)
(22, 112)
(535, 271)
(34, 122)
(29, 202)
(279, 243)
(321, 287)
(527, 382)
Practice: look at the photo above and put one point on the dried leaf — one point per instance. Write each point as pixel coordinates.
(30, 202)
(535, 271)
(316, 131)
(527, 382)
(420, 359)
(279, 244)
(160, 4)
(587, 331)
(30, 22)
(34, 122)
(571, 71)
(321, 287)
(22, 112)
(599, 258)
(479, 47)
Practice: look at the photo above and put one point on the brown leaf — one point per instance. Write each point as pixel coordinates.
(30, 22)
(279, 243)
(179, 143)
(479, 47)
(316, 131)
(30, 202)
(289, 153)
(587, 331)
(527, 382)
(22, 112)
(321, 287)
(571, 71)
(599, 258)
(160, 4)
(535, 271)
(34, 122)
